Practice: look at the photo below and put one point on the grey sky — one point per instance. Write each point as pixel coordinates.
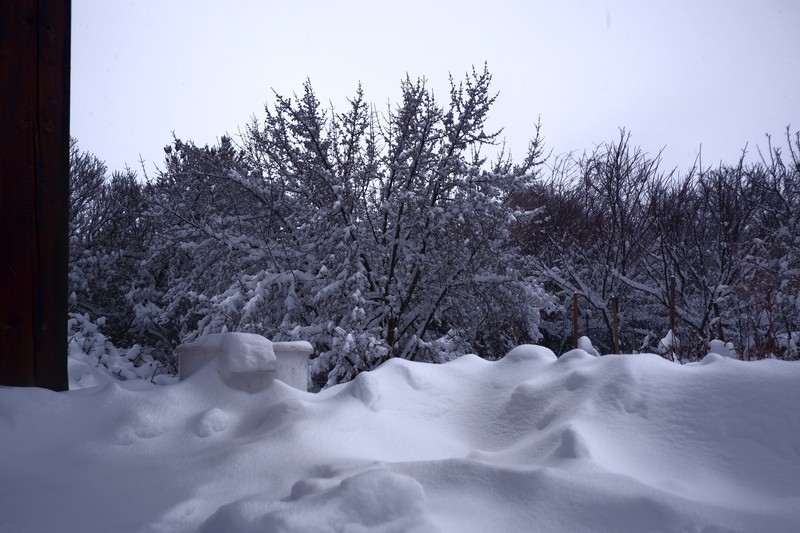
(675, 73)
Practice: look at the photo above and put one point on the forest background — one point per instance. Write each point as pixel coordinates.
(386, 232)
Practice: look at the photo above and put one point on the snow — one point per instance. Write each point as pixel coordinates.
(292, 362)
(531, 442)
(725, 349)
(585, 344)
(247, 361)
(244, 352)
(668, 343)
(94, 360)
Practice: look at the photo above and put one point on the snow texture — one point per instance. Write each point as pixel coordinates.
(722, 348)
(244, 352)
(531, 442)
(585, 344)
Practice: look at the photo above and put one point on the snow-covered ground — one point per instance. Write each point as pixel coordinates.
(528, 443)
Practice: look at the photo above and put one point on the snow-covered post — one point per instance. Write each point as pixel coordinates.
(292, 362)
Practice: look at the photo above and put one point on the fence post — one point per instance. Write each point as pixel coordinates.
(720, 332)
(672, 316)
(615, 323)
(575, 315)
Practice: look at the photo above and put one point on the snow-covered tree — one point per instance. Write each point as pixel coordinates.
(596, 218)
(108, 237)
(372, 235)
(764, 308)
(387, 233)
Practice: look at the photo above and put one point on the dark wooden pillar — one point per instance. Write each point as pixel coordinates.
(34, 191)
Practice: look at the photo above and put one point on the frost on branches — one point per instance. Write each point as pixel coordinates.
(372, 235)
(376, 234)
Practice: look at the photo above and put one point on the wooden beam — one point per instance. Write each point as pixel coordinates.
(34, 191)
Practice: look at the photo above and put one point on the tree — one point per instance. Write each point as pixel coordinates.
(595, 222)
(373, 236)
(109, 242)
(762, 310)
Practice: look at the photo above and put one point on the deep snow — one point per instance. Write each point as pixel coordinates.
(527, 443)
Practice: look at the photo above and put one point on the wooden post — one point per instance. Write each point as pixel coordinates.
(672, 315)
(672, 304)
(575, 315)
(615, 323)
(772, 341)
(34, 192)
(720, 332)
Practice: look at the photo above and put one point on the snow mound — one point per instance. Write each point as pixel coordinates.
(244, 361)
(619, 443)
(530, 352)
(213, 421)
(84, 373)
(378, 501)
(234, 353)
(244, 352)
(585, 344)
(577, 354)
(722, 348)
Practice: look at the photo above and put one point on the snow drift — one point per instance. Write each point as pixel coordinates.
(527, 443)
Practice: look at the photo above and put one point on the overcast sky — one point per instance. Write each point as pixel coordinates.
(676, 73)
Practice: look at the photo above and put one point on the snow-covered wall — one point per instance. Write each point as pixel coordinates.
(246, 360)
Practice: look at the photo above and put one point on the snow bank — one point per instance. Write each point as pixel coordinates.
(376, 500)
(622, 443)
